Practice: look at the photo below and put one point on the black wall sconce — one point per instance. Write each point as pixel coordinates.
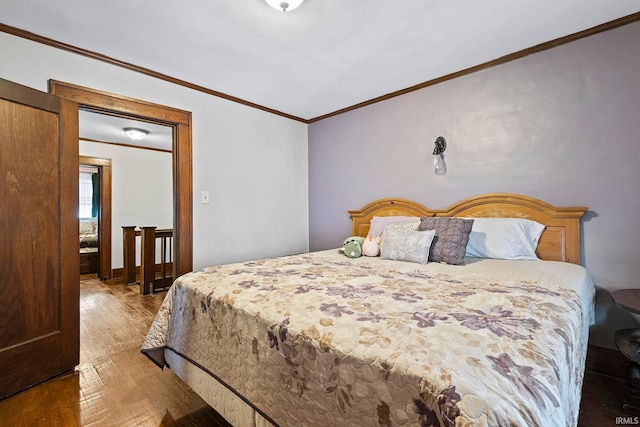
(439, 164)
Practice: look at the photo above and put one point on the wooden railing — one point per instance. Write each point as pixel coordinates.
(153, 277)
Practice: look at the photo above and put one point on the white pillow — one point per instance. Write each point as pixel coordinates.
(411, 246)
(378, 223)
(504, 238)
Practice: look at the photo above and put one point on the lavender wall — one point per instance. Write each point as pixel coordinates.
(561, 125)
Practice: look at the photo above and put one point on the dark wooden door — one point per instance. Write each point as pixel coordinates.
(39, 255)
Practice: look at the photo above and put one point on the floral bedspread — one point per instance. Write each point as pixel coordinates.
(319, 339)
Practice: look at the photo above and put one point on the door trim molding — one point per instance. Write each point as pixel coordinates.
(180, 120)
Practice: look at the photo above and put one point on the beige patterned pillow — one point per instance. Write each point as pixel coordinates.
(411, 246)
(378, 223)
(403, 226)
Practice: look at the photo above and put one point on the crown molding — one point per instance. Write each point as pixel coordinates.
(502, 60)
(100, 57)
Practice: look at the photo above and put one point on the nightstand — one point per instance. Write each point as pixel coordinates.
(88, 260)
(628, 342)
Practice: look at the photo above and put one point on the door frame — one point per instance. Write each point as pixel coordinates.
(180, 120)
(104, 214)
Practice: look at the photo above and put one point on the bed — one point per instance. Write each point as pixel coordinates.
(88, 239)
(322, 339)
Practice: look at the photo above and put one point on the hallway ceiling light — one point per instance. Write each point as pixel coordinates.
(284, 6)
(135, 133)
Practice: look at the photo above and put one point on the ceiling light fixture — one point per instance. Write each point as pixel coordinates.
(135, 133)
(284, 6)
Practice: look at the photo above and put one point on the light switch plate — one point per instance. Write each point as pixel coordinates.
(205, 197)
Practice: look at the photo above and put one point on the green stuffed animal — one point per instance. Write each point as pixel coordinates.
(352, 246)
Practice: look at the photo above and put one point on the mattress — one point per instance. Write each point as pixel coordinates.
(321, 339)
(233, 407)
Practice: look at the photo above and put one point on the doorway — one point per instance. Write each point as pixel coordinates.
(103, 215)
(180, 120)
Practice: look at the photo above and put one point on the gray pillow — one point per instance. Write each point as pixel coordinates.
(450, 242)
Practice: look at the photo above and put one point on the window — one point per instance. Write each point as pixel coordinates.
(86, 207)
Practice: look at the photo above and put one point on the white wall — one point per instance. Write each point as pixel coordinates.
(253, 163)
(141, 190)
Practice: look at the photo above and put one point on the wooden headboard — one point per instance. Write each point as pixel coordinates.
(560, 240)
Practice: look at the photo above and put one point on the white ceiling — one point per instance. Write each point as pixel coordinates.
(101, 127)
(324, 56)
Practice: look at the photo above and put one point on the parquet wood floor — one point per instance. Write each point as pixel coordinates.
(115, 385)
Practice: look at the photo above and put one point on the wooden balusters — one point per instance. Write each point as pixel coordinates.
(153, 277)
(166, 259)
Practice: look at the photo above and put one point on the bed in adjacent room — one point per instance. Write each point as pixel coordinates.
(88, 237)
(322, 339)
